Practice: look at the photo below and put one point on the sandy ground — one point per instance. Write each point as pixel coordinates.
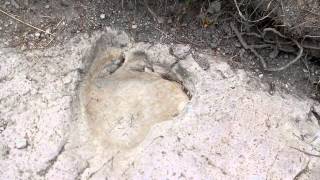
(232, 127)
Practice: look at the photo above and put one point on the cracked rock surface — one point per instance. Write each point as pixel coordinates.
(105, 107)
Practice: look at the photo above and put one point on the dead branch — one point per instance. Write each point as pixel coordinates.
(274, 31)
(308, 46)
(292, 61)
(25, 23)
(299, 55)
(262, 61)
(247, 47)
(262, 46)
(252, 21)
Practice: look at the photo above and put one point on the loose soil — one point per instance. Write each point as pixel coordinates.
(182, 23)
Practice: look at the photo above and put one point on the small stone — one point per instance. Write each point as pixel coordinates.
(305, 70)
(47, 6)
(37, 34)
(48, 31)
(260, 76)
(102, 16)
(237, 44)
(21, 143)
(134, 26)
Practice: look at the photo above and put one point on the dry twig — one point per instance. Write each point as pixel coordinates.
(252, 21)
(262, 61)
(56, 33)
(246, 46)
(308, 46)
(299, 55)
(306, 153)
(25, 23)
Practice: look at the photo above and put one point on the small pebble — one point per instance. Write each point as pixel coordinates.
(37, 34)
(134, 26)
(21, 143)
(260, 76)
(48, 31)
(47, 7)
(102, 16)
(237, 44)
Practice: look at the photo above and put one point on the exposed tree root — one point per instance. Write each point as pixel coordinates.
(253, 48)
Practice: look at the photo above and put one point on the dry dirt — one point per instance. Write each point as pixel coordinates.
(55, 125)
(182, 24)
(147, 102)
